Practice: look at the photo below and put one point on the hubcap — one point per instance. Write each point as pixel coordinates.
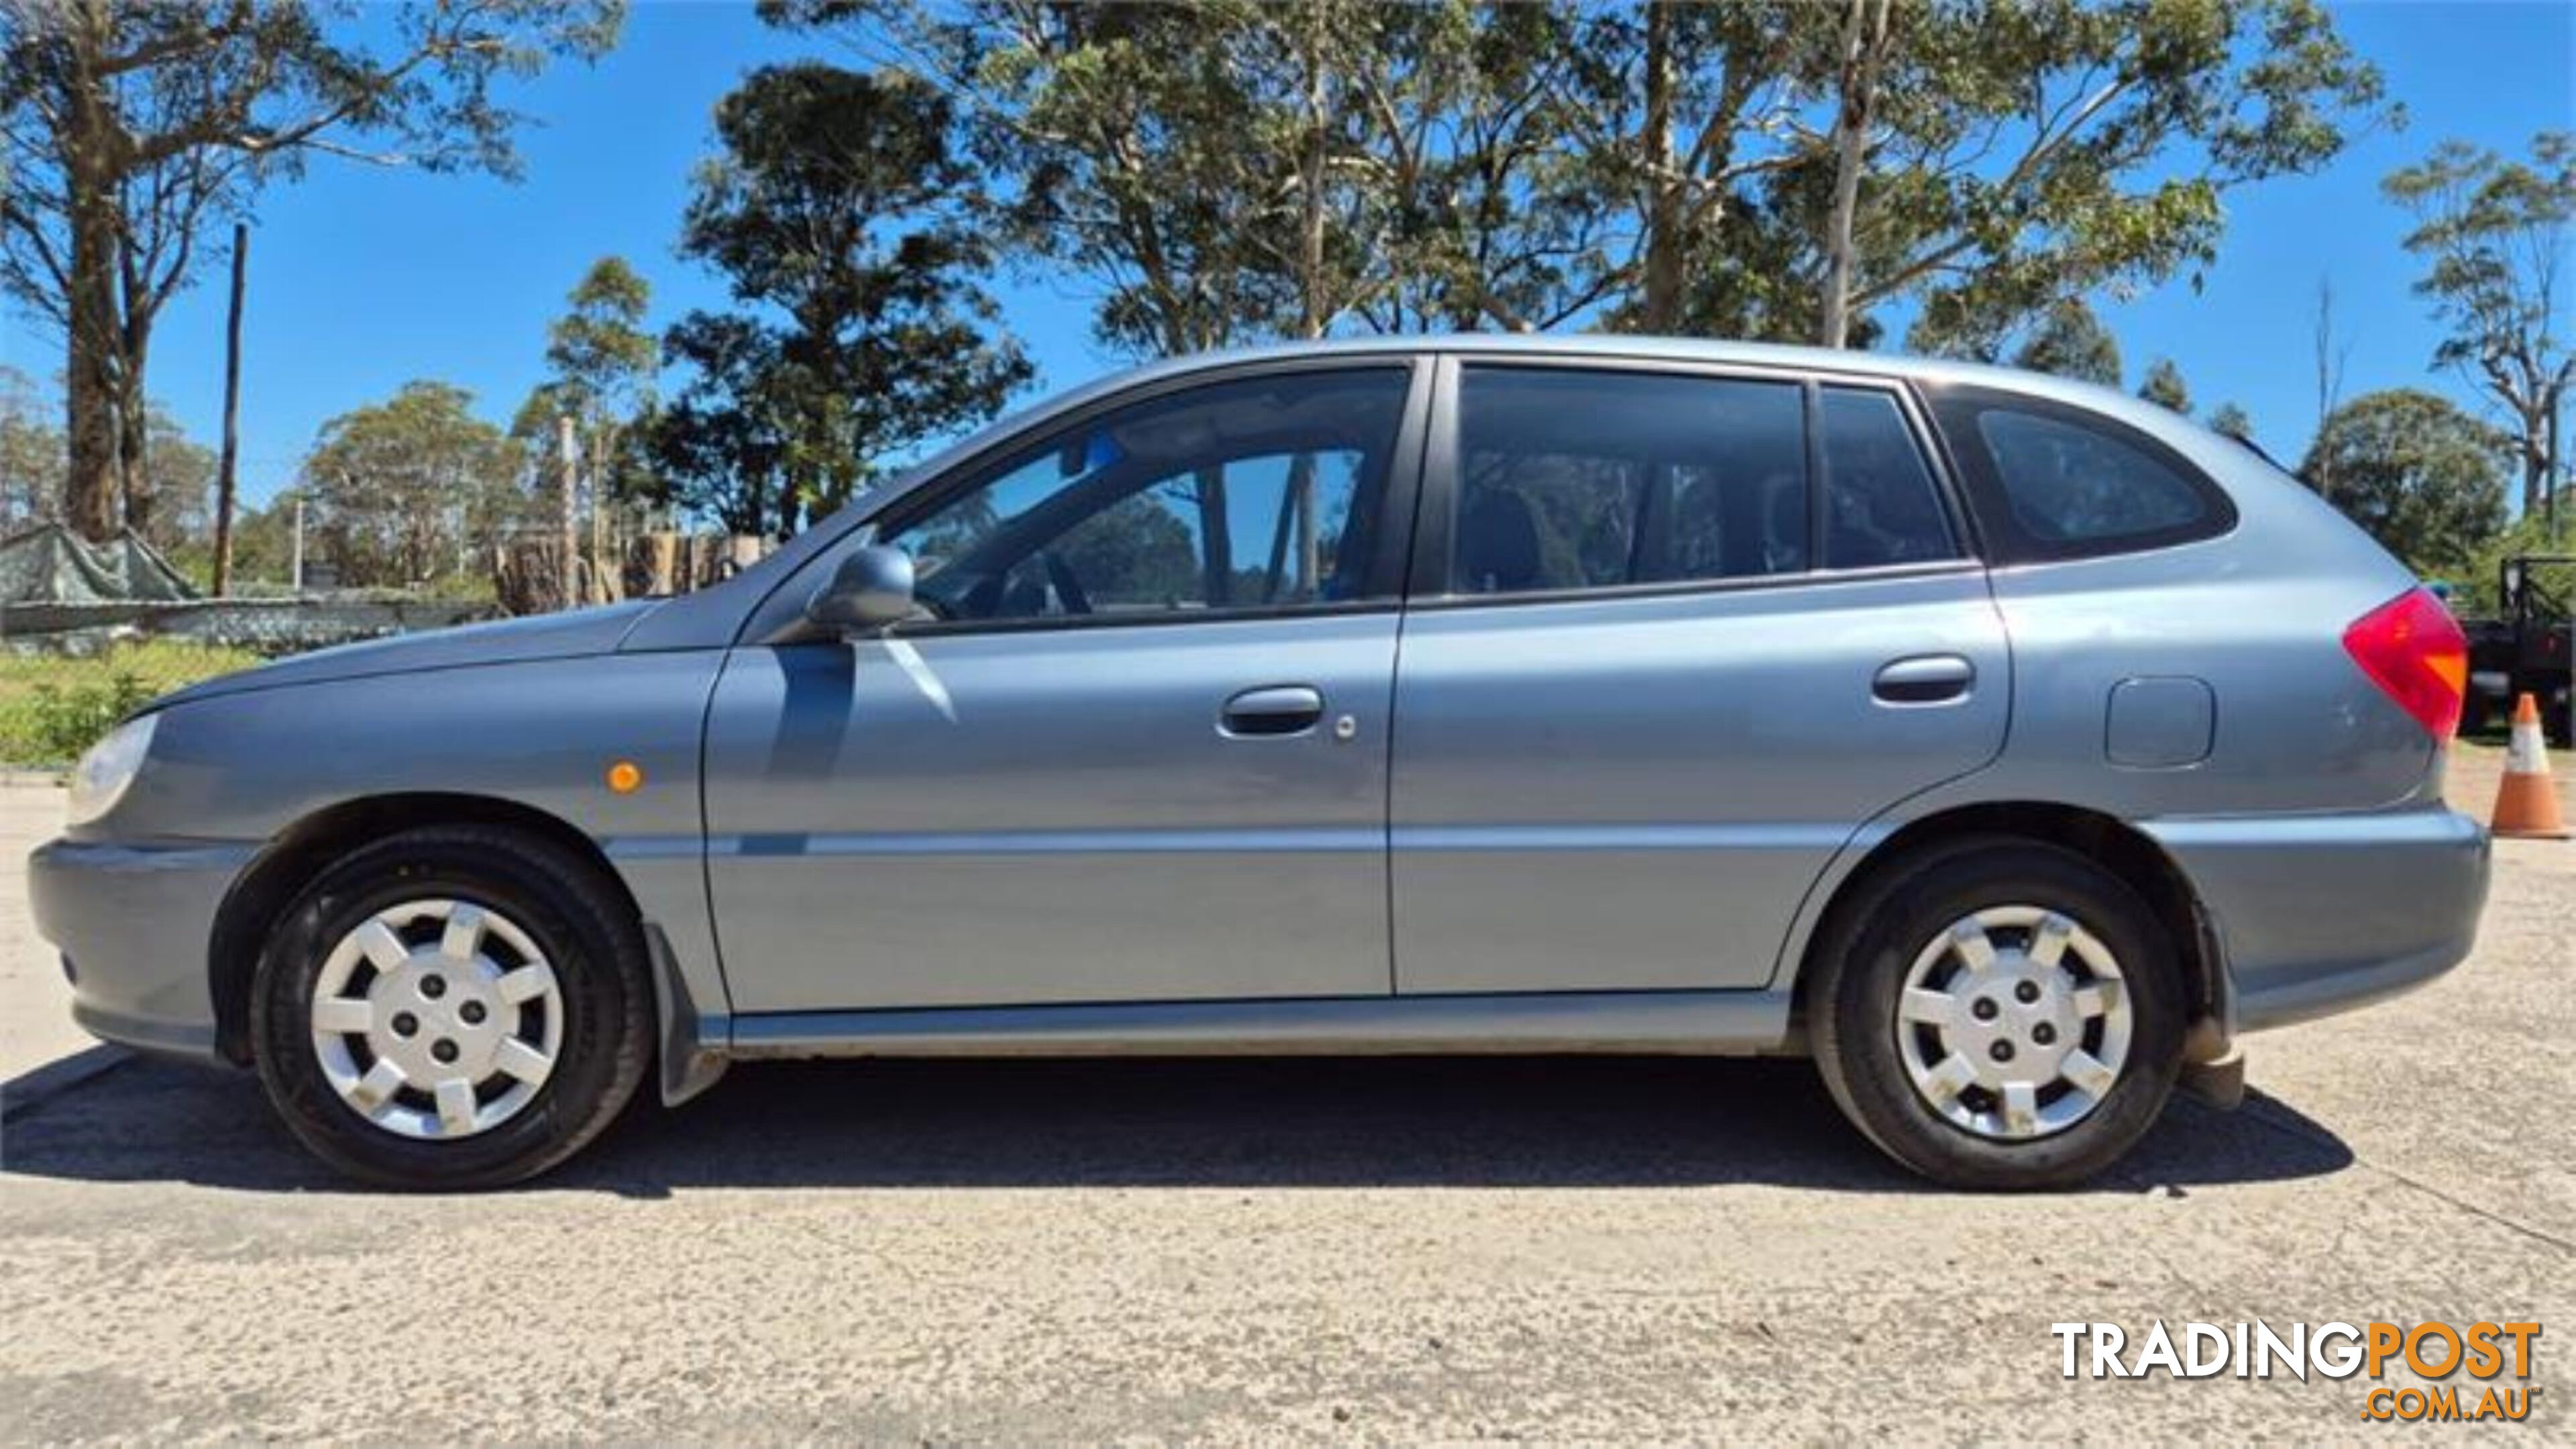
(437, 1019)
(2014, 1023)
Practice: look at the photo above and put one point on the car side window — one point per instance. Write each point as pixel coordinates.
(1881, 505)
(1575, 479)
(1257, 493)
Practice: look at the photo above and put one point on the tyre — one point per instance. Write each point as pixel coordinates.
(1999, 1013)
(453, 1007)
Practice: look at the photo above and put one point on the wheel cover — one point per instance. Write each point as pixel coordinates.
(437, 1019)
(2014, 1023)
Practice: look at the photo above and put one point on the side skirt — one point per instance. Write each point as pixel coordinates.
(1700, 1023)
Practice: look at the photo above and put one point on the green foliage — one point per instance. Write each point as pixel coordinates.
(600, 357)
(399, 490)
(2070, 341)
(2033, 151)
(2474, 586)
(2165, 388)
(129, 127)
(2423, 477)
(2231, 420)
(177, 497)
(600, 346)
(2493, 236)
(31, 452)
(602, 362)
(264, 543)
(62, 722)
(52, 707)
(1231, 171)
(173, 506)
(837, 212)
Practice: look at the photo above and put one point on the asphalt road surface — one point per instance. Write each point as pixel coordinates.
(1241, 1251)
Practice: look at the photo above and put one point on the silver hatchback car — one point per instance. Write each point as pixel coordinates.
(2009, 745)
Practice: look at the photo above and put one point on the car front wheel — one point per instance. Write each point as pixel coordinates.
(2000, 1014)
(453, 1007)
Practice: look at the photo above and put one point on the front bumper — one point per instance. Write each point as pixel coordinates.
(133, 923)
(2317, 914)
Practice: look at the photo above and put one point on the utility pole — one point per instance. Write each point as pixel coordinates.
(295, 569)
(566, 450)
(228, 472)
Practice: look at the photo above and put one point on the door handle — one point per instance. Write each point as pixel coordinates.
(1924, 679)
(1283, 709)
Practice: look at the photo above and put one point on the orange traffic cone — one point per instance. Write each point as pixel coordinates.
(2527, 806)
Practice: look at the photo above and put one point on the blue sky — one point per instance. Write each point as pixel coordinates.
(362, 279)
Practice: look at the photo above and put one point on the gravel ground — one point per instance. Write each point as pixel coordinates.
(1292, 1251)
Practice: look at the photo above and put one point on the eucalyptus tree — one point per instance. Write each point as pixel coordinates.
(601, 366)
(2493, 234)
(130, 124)
(2070, 341)
(2164, 386)
(403, 489)
(2017, 152)
(2423, 477)
(1232, 169)
(839, 212)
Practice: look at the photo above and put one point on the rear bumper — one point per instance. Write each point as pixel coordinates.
(2317, 914)
(133, 923)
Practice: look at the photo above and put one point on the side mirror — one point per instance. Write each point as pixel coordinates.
(869, 593)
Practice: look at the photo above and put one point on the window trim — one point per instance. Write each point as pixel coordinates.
(1428, 586)
(779, 617)
(1956, 409)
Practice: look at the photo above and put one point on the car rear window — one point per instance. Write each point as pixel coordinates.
(2053, 481)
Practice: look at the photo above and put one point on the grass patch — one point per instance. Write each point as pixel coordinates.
(53, 706)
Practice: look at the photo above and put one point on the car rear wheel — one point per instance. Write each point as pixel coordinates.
(1999, 1014)
(453, 1007)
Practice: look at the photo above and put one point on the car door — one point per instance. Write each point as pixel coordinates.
(1677, 637)
(1135, 750)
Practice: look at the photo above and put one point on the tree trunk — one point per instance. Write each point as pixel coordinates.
(2549, 475)
(2535, 468)
(1864, 40)
(90, 382)
(1312, 313)
(1666, 247)
(134, 429)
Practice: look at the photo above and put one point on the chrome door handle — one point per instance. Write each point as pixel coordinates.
(1924, 679)
(1283, 709)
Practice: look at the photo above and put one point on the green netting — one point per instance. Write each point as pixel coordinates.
(50, 564)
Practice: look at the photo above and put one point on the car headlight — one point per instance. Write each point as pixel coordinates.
(99, 780)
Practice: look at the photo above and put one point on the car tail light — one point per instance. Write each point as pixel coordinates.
(2413, 650)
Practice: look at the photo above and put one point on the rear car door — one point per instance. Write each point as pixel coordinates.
(1140, 752)
(1676, 636)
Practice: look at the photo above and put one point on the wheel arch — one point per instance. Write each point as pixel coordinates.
(292, 858)
(2121, 847)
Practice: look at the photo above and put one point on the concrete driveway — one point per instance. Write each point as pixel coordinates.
(1291, 1250)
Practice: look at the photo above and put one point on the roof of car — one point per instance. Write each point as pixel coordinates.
(1667, 349)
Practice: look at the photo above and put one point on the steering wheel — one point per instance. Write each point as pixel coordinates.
(1068, 589)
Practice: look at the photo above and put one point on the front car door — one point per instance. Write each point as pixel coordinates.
(1136, 749)
(1677, 637)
